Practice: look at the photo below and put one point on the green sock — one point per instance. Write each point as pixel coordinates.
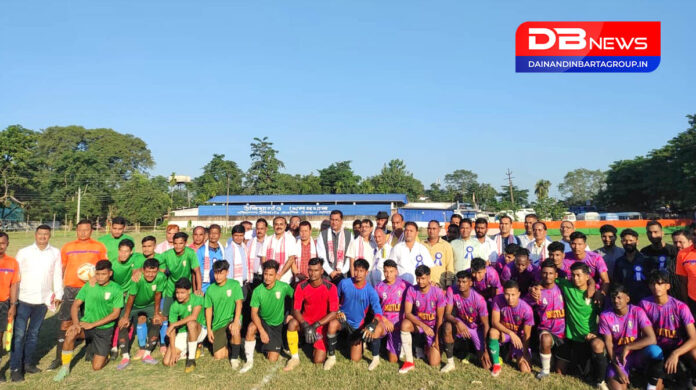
(494, 347)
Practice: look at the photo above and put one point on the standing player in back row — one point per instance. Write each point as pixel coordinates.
(112, 239)
(391, 292)
(424, 311)
(73, 255)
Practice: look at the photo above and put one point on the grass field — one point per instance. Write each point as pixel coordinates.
(212, 374)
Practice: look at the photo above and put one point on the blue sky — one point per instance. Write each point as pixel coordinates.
(432, 83)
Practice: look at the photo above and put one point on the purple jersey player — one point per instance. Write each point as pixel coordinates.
(424, 310)
(466, 316)
(673, 324)
(511, 320)
(521, 271)
(630, 341)
(392, 291)
(486, 280)
(598, 268)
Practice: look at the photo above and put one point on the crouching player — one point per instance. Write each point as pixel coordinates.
(315, 307)
(424, 311)
(674, 327)
(391, 292)
(630, 341)
(511, 321)
(223, 314)
(267, 316)
(103, 303)
(142, 308)
(547, 301)
(485, 278)
(186, 326)
(467, 315)
(356, 296)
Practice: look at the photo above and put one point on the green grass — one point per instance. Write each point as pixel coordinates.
(212, 374)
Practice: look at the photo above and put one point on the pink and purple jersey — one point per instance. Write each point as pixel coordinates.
(425, 305)
(550, 310)
(593, 260)
(524, 279)
(391, 296)
(490, 279)
(623, 329)
(514, 318)
(469, 310)
(669, 321)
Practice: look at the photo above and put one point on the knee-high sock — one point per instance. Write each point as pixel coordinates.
(59, 344)
(163, 332)
(293, 341)
(376, 346)
(249, 347)
(331, 342)
(599, 366)
(494, 347)
(152, 337)
(449, 350)
(234, 353)
(407, 345)
(545, 362)
(141, 332)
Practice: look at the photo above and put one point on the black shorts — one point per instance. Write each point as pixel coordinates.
(166, 304)
(4, 307)
(147, 311)
(222, 338)
(275, 337)
(99, 340)
(577, 353)
(69, 294)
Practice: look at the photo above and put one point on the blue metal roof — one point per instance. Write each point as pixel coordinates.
(313, 198)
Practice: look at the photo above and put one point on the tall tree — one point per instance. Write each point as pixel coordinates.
(541, 188)
(141, 200)
(214, 179)
(462, 183)
(17, 154)
(485, 194)
(582, 185)
(547, 208)
(262, 176)
(395, 178)
(436, 194)
(521, 196)
(339, 178)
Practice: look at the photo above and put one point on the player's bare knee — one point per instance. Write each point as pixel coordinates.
(334, 326)
(597, 345)
(494, 334)
(292, 325)
(142, 319)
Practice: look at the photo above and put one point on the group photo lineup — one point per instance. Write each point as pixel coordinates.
(347, 195)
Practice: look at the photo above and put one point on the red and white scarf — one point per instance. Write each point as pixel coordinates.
(499, 242)
(207, 265)
(280, 256)
(252, 251)
(341, 250)
(304, 258)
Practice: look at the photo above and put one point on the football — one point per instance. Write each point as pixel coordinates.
(85, 271)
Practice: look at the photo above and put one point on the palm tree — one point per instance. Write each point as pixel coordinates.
(541, 189)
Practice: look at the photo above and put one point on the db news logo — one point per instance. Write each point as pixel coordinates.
(587, 47)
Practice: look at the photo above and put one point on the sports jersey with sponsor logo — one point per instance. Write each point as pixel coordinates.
(469, 310)
(490, 279)
(391, 297)
(550, 310)
(669, 321)
(623, 329)
(514, 318)
(425, 305)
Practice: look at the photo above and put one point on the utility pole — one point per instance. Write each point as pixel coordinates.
(79, 198)
(509, 176)
(227, 202)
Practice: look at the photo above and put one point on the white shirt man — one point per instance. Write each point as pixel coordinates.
(282, 247)
(332, 245)
(361, 247)
(382, 251)
(42, 274)
(539, 247)
(257, 246)
(487, 249)
(409, 254)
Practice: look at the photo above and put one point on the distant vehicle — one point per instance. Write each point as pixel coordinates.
(490, 217)
(588, 216)
(568, 216)
(608, 217)
(582, 209)
(629, 215)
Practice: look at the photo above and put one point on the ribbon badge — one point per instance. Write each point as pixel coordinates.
(469, 253)
(419, 260)
(438, 258)
(638, 270)
(662, 260)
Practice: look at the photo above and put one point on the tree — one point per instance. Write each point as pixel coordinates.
(215, 177)
(541, 189)
(262, 176)
(436, 194)
(394, 178)
(462, 183)
(339, 178)
(94, 161)
(485, 196)
(17, 155)
(582, 185)
(141, 200)
(547, 208)
(521, 196)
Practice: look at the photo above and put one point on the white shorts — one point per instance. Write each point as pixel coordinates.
(181, 341)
